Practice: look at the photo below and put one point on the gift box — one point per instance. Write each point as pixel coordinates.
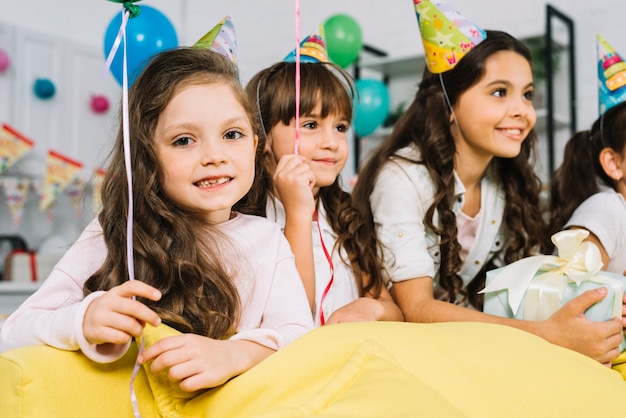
(535, 287)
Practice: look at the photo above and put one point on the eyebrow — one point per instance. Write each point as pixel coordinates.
(509, 84)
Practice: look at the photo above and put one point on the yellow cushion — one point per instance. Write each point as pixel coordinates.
(42, 381)
(359, 369)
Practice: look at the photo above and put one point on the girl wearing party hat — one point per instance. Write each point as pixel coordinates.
(452, 193)
(589, 188)
(339, 265)
(226, 280)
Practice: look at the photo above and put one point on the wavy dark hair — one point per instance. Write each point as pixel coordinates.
(174, 250)
(572, 182)
(273, 90)
(426, 125)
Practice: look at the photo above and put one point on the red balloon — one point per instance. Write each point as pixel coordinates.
(99, 104)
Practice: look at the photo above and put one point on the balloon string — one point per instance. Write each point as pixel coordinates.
(121, 39)
(296, 145)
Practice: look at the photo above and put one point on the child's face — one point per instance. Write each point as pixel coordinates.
(496, 114)
(323, 142)
(206, 147)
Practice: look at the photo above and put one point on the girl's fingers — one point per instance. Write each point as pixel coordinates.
(137, 288)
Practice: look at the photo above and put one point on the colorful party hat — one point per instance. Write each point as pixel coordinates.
(312, 48)
(611, 76)
(446, 34)
(221, 39)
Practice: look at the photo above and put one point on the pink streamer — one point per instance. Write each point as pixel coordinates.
(296, 145)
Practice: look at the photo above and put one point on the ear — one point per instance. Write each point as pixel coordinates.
(611, 162)
(256, 141)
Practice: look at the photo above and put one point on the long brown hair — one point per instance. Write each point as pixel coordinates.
(577, 177)
(426, 125)
(273, 91)
(174, 250)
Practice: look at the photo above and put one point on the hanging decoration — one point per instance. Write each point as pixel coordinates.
(16, 191)
(75, 191)
(5, 62)
(44, 88)
(99, 104)
(60, 171)
(96, 193)
(13, 145)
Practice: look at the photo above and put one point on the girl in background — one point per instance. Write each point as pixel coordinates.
(452, 193)
(226, 280)
(338, 260)
(589, 187)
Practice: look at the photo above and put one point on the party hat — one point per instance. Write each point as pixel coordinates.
(312, 48)
(221, 39)
(446, 34)
(611, 76)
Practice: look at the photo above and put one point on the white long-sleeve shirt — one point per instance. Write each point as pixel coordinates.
(274, 307)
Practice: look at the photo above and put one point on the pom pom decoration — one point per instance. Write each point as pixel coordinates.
(44, 88)
(99, 104)
(371, 106)
(5, 62)
(148, 33)
(343, 39)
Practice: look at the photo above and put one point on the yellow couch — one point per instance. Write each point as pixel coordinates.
(360, 369)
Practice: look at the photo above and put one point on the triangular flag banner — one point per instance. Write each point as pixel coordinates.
(221, 39)
(98, 178)
(312, 48)
(16, 191)
(75, 191)
(12, 146)
(60, 170)
(611, 76)
(447, 35)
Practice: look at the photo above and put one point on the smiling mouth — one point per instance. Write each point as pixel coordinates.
(212, 183)
(512, 131)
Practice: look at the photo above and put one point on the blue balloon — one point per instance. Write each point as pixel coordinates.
(147, 34)
(371, 106)
(44, 88)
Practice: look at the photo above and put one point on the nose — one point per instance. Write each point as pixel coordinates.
(212, 152)
(330, 138)
(521, 107)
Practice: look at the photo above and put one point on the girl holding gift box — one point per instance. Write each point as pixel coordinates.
(339, 264)
(452, 193)
(589, 188)
(228, 281)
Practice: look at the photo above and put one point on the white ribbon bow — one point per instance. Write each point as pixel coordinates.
(544, 278)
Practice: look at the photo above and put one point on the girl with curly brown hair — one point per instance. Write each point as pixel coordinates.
(452, 193)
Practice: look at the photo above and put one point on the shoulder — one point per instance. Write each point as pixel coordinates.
(605, 201)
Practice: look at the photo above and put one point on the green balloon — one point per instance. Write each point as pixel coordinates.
(343, 39)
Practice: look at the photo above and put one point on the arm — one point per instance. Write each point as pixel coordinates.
(568, 327)
(368, 308)
(294, 180)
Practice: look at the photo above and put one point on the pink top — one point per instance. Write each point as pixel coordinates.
(467, 228)
(275, 310)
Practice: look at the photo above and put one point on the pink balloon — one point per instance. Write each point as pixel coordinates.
(99, 104)
(4, 61)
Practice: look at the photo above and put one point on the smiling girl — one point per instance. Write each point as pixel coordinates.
(339, 264)
(452, 194)
(226, 280)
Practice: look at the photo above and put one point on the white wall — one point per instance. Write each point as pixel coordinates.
(266, 31)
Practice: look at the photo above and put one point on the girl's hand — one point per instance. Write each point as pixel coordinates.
(294, 181)
(569, 328)
(199, 362)
(116, 318)
(361, 310)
